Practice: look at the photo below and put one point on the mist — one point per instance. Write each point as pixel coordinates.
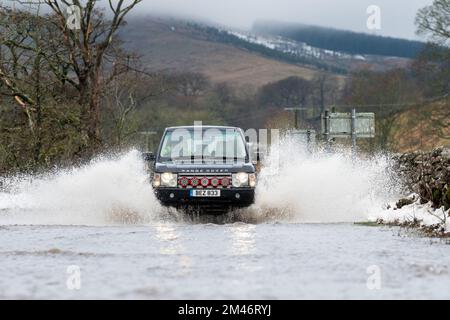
(397, 17)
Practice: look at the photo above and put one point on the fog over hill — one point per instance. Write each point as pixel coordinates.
(397, 17)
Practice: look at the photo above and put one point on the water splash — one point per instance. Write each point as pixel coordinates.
(105, 191)
(319, 186)
(294, 186)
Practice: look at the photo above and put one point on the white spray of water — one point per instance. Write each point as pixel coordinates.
(105, 191)
(322, 187)
(294, 186)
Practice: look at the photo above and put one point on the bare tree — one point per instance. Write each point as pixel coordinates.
(433, 64)
(23, 69)
(387, 94)
(325, 90)
(121, 103)
(190, 84)
(289, 92)
(434, 20)
(52, 77)
(79, 55)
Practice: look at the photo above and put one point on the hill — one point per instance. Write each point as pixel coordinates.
(423, 127)
(175, 46)
(341, 40)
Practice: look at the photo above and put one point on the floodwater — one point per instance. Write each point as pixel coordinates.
(97, 232)
(231, 261)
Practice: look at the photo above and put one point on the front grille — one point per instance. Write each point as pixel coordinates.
(205, 181)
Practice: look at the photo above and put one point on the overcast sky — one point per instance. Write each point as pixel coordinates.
(397, 16)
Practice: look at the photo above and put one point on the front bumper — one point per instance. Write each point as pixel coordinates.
(234, 197)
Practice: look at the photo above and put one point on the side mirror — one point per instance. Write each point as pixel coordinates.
(148, 156)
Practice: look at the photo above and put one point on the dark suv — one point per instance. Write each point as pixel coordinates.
(204, 167)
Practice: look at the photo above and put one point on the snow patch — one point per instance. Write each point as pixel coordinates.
(424, 214)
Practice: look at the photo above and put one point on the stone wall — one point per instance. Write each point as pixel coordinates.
(427, 174)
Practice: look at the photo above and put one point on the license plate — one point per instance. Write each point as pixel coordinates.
(205, 193)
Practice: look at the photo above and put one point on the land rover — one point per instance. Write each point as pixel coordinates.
(207, 168)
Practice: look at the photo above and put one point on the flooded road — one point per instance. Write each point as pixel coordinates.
(97, 231)
(232, 261)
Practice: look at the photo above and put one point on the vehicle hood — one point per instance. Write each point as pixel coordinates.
(204, 168)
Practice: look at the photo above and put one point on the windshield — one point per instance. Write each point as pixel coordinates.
(202, 144)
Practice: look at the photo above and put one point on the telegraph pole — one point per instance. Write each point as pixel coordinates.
(296, 110)
(353, 128)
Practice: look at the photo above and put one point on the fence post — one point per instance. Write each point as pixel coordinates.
(353, 127)
(326, 125)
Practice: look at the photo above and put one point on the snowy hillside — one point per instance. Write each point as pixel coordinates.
(299, 49)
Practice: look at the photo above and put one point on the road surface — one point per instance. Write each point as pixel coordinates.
(175, 260)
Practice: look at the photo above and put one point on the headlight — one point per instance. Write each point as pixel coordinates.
(167, 179)
(240, 179)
